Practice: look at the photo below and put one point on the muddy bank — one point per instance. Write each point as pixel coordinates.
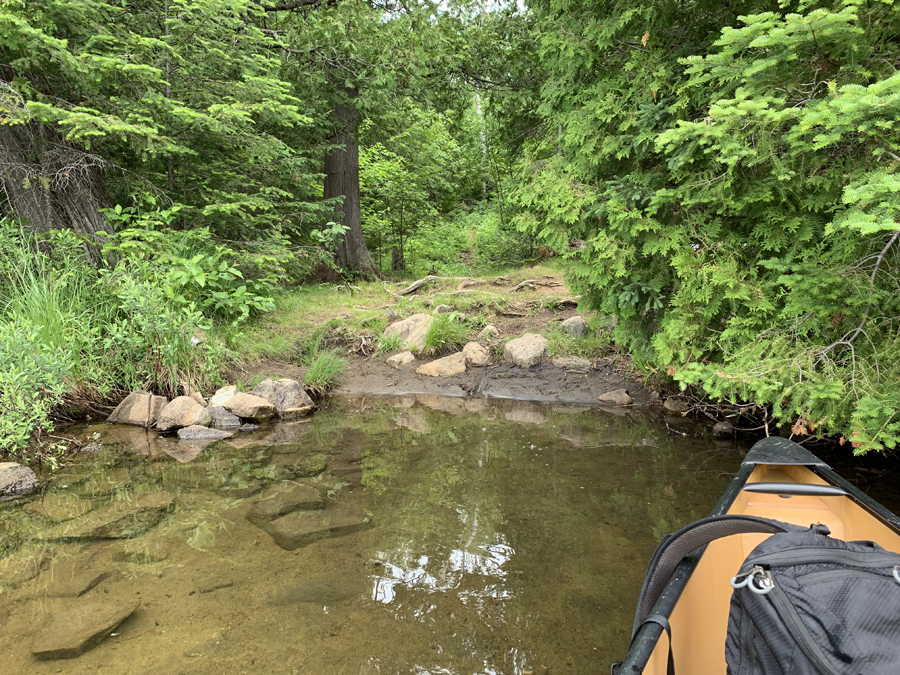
(545, 383)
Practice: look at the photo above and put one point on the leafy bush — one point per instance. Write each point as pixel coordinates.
(446, 333)
(33, 381)
(192, 268)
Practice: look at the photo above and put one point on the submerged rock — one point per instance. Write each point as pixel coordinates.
(476, 355)
(279, 502)
(412, 331)
(617, 397)
(401, 360)
(119, 520)
(302, 528)
(183, 411)
(16, 480)
(75, 627)
(526, 351)
(575, 326)
(198, 433)
(248, 406)
(289, 398)
(139, 408)
(449, 365)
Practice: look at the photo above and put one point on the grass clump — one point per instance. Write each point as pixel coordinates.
(446, 333)
(324, 372)
(388, 344)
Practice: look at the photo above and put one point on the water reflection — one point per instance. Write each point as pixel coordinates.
(501, 538)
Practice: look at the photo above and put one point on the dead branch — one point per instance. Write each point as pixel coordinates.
(416, 285)
(523, 284)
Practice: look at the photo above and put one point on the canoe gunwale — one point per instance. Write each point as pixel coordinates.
(768, 451)
(644, 641)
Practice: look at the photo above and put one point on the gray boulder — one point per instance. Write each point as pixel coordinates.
(526, 351)
(571, 363)
(139, 408)
(222, 419)
(617, 397)
(476, 355)
(16, 480)
(723, 430)
(75, 627)
(250, 407)
(401, 360)
(576, 326)
(675, 405)
(289, 398)
(182, 412)
(412, 330)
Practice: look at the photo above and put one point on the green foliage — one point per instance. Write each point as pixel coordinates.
(446, 333)
(191, 268)
(734, 181)
(387, 344)
(323, 372)
(33, 381)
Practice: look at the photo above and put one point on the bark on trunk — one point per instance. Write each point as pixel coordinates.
(51, 184)
(342, 180)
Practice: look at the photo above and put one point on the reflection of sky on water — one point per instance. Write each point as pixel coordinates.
(434, 575)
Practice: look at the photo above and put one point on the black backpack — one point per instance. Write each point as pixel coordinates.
(803, 602)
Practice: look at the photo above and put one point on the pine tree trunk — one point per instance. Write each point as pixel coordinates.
(50, 184)
(342, 180)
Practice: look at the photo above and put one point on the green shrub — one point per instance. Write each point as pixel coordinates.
(324, 372)
(446, 333)
(33, 381)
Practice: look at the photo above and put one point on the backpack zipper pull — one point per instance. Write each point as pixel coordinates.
(759, 580)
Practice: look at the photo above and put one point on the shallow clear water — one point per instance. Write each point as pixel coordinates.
(478, 537)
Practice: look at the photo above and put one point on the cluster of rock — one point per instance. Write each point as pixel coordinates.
(229, 410)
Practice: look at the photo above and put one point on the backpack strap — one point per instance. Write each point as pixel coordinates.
(674, 547)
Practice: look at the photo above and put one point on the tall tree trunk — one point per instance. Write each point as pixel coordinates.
(342, 180)
(50, 184)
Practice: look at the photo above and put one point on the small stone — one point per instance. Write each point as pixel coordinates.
(571, 363)
(449, 365)
(279, 502)
(302, 528)
(197, 433)
(73, 583)
(476, 355)
(91, 448)
(412, 330)
(222, 419)
(248, 406)
(222, 395)
(675, 405)
(617, 397)
(76, 627)
(401, 360)
(576, 326)
(182, 412)
(443, 309)
(526, 351)
(489, 332)
(139, 408)
(723, 430)
(210, 585)
(16, 480)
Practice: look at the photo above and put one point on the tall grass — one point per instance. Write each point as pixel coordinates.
(446, 334)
